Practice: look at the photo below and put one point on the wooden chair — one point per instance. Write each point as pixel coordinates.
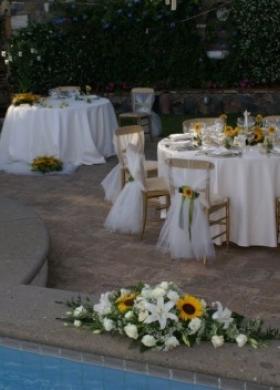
(138, 116)
(156, 187)
(207, 121)
(272, 118)
(67, 88)
(214, 203)
(122, 138)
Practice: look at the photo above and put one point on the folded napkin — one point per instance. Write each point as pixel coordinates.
(276, 149)
(180, 137)
(221, 151)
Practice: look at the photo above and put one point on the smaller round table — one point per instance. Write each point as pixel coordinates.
(251, 182)
(76, 131)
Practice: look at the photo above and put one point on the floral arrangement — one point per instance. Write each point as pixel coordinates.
(163, 317)
(25, 98)
(45, 164)
(189, 195)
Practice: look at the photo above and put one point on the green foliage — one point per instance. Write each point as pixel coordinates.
(255, 44)
(123, 43)
(132, 42)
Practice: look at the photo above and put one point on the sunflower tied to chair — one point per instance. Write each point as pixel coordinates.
(188, 195)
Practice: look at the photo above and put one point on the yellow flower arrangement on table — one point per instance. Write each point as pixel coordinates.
(231, 132)
(258, 135)
(45, 164)
(25, 98)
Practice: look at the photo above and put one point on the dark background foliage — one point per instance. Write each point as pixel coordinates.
(123, 43)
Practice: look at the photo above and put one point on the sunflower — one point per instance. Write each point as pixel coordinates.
(198, 127)
(229, 131)
(258, 135)
(125, 302)
(189, 307)
(187, 192)
(271, 130)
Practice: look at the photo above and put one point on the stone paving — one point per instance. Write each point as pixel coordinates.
(85, 257)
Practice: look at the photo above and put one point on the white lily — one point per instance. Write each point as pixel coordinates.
(160, 312)
(104, 306)
(222, 315)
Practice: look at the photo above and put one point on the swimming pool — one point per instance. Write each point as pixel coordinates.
(24, 370)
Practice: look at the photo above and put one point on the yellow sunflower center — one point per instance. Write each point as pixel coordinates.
(189, 307)
(125, 302)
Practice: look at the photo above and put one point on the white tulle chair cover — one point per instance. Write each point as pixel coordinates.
(177, 236)
(143, 103)
(126, 214)
(112, 183)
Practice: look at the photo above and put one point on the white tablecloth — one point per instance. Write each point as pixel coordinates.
(76, 131)
(252, 183)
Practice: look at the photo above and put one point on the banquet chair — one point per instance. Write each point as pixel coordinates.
(142, 100)
(117, 177)
(67, 88)
(186, 232)
(129, 212)
(207, 121)
(272, 119)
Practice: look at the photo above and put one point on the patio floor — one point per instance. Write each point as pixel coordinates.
(85, 257)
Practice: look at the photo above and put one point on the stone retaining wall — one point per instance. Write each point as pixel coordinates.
(208, 102)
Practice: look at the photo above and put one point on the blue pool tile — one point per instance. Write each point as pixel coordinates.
(136, 381)
(158, 383)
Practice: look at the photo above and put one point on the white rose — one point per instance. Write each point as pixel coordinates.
(173, 295)
(77, 323)
(6, 62)
(241, 340)
(32, 50)
(3, 53)
(20, 53)
(217, 341)
(148, 341)
(143, 315)
(171, 342)
(129, 315)
(146, 293)
(38, 58)
(108, 324)
(164, 285)
(194, 325)
(158, 292)
(131, 331)
(79, 311)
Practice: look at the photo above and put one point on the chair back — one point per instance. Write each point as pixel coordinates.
(128, 135)
(272, 119)
(192, 173)
(206, 121)
(142, 100)
(67, 88)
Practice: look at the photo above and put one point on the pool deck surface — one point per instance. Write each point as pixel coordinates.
(85, 258)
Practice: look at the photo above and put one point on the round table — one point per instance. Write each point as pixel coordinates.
(251, 182)
(76, 131)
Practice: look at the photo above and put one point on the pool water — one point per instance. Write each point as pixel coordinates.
(24, 370)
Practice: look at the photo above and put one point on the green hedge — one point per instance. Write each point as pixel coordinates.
(122, 43)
